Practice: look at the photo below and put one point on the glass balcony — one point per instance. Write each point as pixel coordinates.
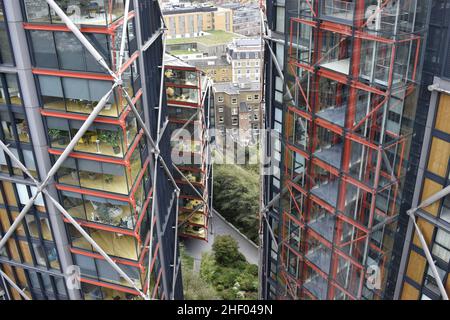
(322, 222)
(315, 284)
(327, 191)
(181, 77)
(319, 255)
(376, 63)
(387, 19)
(196, 218)
(114, 244)
(194, 231)
(21, 126)
(93, 292)
(192, 176)
(84, 12)
(186, 146)
(81, 95)
(108, 177)
(182, 113)
(182, 95)
(338, 9)
(101, 271)
(101, 210)
(100, 139)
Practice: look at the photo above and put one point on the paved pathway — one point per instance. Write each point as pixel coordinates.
(220, 226)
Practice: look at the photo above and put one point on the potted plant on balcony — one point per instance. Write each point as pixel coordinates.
(102, 214)
(111, 138)
(58, 136)
(64, 5)
(108, 178)
(89, 7)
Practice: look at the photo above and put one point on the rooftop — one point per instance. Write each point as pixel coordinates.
(214, 37)
(253, 43)
(172, 61)
(217, 61)
(230, 88)
(170, 9)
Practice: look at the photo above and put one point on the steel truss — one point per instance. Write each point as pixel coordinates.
(158, 159)
(366, 164)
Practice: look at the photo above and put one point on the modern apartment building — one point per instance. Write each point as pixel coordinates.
(188, 102)
(111, 184)
(341, 93)
(184, 21)
(429, 171)
(246, 18)
(417, 281)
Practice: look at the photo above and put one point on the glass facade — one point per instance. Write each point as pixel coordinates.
(419, 282)
(105, 184)
(345, 113)
(32, 246)
(185, 91)
(6, 56)
(85, 12)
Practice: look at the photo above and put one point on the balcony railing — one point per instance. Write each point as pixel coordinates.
(86, 12)
(338, 9)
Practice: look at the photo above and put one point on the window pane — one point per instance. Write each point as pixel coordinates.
(37, 11)
(52, 93)
(44, 49)
(100, 42)
(441, 246)
(13, 89)
(445, 212)
(70, 51)
(5, 48)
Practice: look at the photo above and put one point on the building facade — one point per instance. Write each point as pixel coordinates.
(341, 100)
(216, 69)
(429, 170)
(188, 102)
(109, 183)
(245, 56)
(246, 18)
(185, 21)
(237, 107)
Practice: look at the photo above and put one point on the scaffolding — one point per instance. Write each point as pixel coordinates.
(350, 77)
(119, 85)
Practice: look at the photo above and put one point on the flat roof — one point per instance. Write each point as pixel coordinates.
(213, 37)
(230, 88)
(172, 61)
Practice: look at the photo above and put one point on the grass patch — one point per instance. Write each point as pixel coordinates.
(214, 37)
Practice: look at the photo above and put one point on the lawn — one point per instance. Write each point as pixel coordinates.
(214, 37)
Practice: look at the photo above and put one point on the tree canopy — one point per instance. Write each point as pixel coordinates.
(236, 197)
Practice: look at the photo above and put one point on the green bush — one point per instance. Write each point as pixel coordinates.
(195, 287)
(226, 251)
(227, 271)
(236, 197)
